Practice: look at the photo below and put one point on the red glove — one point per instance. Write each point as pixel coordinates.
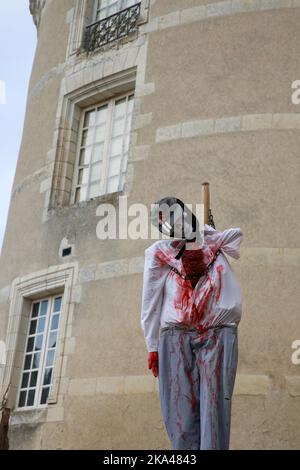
(153, 362)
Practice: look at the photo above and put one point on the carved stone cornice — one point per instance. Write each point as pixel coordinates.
(36, 7)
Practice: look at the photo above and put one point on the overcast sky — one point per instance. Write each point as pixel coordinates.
(17, 47)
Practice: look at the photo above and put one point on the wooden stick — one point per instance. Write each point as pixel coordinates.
(206, 201)
(4, 422)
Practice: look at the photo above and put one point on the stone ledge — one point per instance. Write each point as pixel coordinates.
(82, 387)
(229, 124)
(37, 416)
(252, 384)
(262, 256)
(216, 10)
(245, 384)
(20, 417)
(293, 385)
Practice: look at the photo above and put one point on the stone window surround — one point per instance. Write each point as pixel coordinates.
(66, 134)
(55, 280)
(82, 16)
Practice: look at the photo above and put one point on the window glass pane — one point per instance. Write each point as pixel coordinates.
(109, 7)
(118, 127)
(126, 142)
(83, 176)
(54, 323)
(28, 359)
(87, 137)
(129, 3)
(41, 325)
(112, 9)
(120, 107)
(100, 15)
(103, 3)
(30, 344)
(114, 166)
(44, 396)
(47, 377)
(100, 133)
(101, 115)
(96, 172)
(98, 150)
(57, 304)
(38, 342)
(81, 194)
(30, 398)
(85, 156)
(116, 146)
(128, 126)
(33, 379)
(89, 118)
(35, 310)
(36, 360)
(52, 340)
(112, 184)
(25, 380)
(32, 327)
(22, 399)
(50, 358)
(130, 104)
(94, 190)
(44, 307)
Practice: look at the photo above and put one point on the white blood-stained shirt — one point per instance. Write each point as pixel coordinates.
(168, 297)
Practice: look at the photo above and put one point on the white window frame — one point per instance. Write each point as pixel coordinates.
(105, 164)
(41, 369)
(96, 9)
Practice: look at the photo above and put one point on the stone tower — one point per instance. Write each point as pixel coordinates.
(146, 99)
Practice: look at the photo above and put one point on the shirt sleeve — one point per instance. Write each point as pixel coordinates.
(228, 241)
(153, 284)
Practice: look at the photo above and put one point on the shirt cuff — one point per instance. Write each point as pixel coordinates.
(152, 345)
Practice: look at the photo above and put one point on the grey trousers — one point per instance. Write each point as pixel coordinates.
(196, 373)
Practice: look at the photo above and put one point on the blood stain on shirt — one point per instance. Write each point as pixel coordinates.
(194, 264)
(219, 269)
(164, 257)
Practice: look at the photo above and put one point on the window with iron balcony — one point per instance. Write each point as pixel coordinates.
(112, 20)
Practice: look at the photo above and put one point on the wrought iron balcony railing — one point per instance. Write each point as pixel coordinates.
(113, 27)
